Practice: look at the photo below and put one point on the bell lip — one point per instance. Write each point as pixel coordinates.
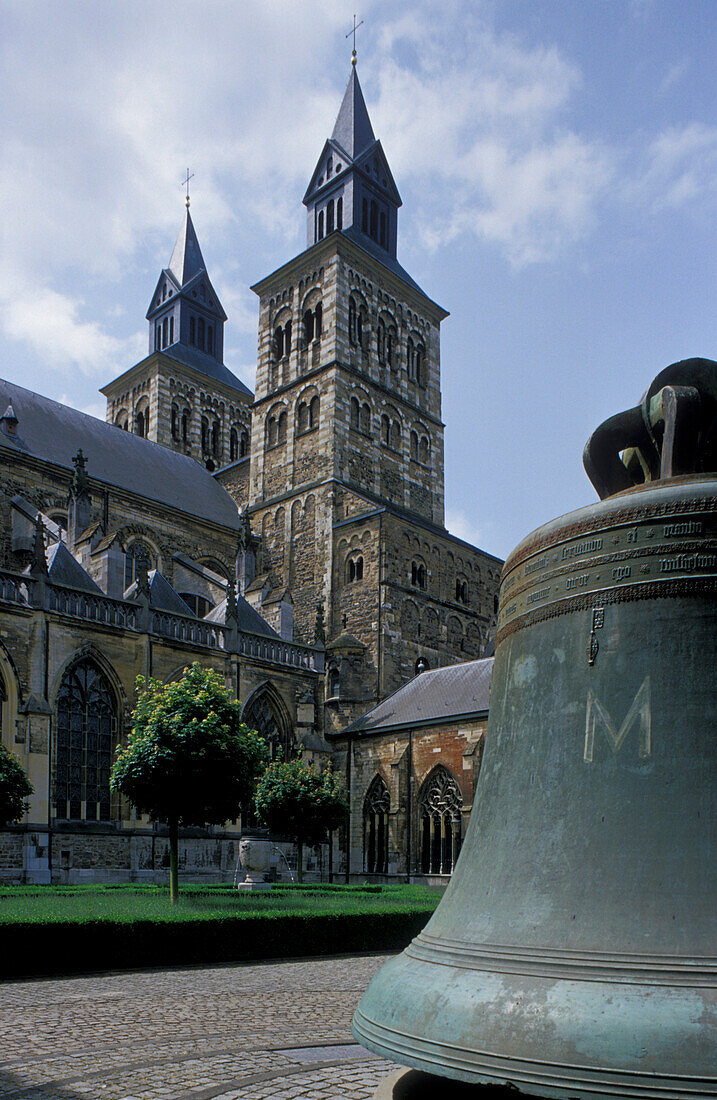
(550, 533)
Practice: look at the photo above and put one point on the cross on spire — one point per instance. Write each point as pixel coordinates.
(353, 32)
(185, 183)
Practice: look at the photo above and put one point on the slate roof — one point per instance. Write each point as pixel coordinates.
(54, 433)
(353, 130)
(63, 568)
(161, 594)
(207, 364)
(250, 621)
(438, 695)
(187, 260)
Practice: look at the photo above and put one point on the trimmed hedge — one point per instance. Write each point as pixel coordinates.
(63, 947)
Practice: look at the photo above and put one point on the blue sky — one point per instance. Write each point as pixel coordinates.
(557, 163)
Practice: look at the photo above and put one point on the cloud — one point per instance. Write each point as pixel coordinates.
(678, 168)
(464, 527)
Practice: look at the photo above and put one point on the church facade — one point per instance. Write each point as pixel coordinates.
(293, 538)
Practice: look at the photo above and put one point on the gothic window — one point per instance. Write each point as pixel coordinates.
(200, 333)
(175, 422)
(376, 806)
(85, 740)
(355, 413)
(205, 435)
(321, 224)
(365, 419)
(216, 438)
(136, 552)
(440, 805)
(192, 331)
(330, 217)
(418, 574)
(339, 213)
(233, 445)
(185, 425)
(264, 715)
(354, 568)
(243, 444)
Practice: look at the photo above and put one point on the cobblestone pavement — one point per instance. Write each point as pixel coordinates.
(268, 1030)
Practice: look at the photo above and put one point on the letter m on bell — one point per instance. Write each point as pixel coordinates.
(639, 716)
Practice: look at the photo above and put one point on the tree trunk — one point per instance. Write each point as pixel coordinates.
(300, 861)
(173, 861)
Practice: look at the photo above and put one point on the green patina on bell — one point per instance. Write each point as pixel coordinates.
(574, 952)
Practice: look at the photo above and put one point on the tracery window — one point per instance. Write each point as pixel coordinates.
(263, 715)
(86, 735)
(137, 552)
(376, 806)
(440, 803)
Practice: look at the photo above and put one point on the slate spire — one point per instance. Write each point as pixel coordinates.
(187, 260)
(353, 130)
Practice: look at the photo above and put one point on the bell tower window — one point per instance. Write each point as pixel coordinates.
(330, 217)
(321, 225)
(339, 213)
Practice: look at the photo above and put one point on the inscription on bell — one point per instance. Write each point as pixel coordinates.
(639, 716)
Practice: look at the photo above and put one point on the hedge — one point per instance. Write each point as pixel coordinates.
(63, 947)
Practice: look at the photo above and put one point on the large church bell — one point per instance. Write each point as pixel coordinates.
(574, 954)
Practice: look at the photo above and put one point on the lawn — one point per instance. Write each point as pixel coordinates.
(70, 929)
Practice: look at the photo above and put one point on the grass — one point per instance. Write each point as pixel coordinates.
(70, 904)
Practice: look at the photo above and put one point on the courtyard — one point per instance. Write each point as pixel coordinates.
(231, 1032)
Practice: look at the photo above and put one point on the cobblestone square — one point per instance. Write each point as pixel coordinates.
(254, 1031)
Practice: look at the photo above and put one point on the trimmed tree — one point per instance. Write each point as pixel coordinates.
(189, 759)
(15, 787)
(294, 799)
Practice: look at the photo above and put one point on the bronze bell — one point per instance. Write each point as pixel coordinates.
(574, 952)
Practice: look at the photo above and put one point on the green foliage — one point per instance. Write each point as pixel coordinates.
(294, 799)
(15, 787)
(189, 759)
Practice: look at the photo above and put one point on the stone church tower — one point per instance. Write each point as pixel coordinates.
(182, 395)
(345, 492)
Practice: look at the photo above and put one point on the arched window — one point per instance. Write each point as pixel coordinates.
(281, 427)
(137, 552)
(381, 341)
(334, 684)
(352, 322)
(200, 333)
(175, 422)
(421, 373)
(164, 333)
(365, 419)
(382, 230)
(314, 407)
(192, 331)
(440, 803)
(308, 326)
(340, 214)
(414, 446)
(424, 450)
(185, 425)
(373, 230)
(210, 339)
(287, 338)
(376, 806)
(418, 574)
(141, 422)
(85, 740)
(385, 430)
(410, 360)
(359, 328)
(329, 167)
(355, 413)
(395, 442)
(263, 714)
(321, 224)
(330, 217)
(171, 329)
(233, 445)
(302, 418)
(158, 336)
(243, 444)
(461, 591)
(354, 568)
(205, 435)
(278, 343)
(318, 320)
(216, 438)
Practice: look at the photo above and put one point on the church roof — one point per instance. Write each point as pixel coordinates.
(193, 357)
(187, 260)
(161, 594)
(249, 620)
(63, 568)
(54, 433)
(353, 130)
(438, 695)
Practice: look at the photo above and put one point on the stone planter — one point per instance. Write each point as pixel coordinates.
(254, 856)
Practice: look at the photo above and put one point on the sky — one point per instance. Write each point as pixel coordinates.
(557, 161)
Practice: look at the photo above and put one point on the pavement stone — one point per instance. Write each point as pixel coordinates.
(278, 1030)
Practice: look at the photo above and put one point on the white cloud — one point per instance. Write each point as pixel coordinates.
(678, 168)
(464, 527)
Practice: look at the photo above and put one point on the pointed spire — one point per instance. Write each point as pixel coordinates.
(353, 130)
(187, 257)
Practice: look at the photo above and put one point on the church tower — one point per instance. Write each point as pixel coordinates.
(182, 395)
(346, 486)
